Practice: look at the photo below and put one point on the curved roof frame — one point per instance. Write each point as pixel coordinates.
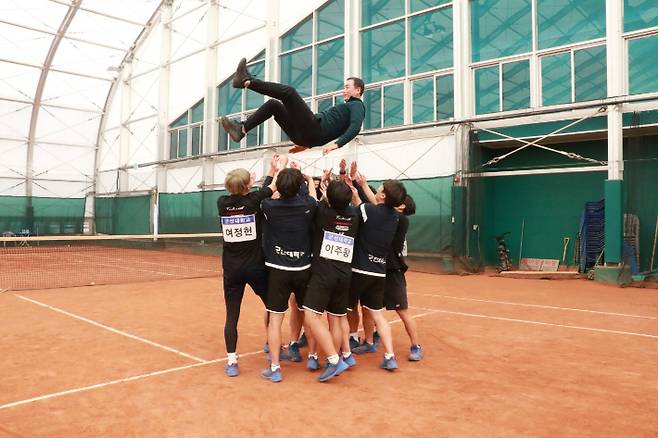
(88, 26)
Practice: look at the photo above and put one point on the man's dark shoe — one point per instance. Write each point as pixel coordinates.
(241, 74)
(234, 129)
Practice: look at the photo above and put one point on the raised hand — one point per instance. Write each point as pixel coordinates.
(353, 170)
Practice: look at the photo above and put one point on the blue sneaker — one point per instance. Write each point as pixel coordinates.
(389, 364)
(272, 376)
(350, 361)
(232, 370)
(302, 341)
(354, 343)
(293, 352)
(266, 348)
(342, 366)
(331, 371)
(283, 354)
(365, 348)
(416, 353)
(376, 339)
(312, 364)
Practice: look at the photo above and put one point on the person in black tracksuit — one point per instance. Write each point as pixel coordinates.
(287, 246)
(242, 260)
(378, 222)
(336, 225)
(341, 122)
(395, 292)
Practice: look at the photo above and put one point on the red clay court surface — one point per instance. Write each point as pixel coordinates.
(504, 357)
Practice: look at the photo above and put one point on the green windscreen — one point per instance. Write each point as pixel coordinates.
(127, 215)
(189, 212)
(41, 216)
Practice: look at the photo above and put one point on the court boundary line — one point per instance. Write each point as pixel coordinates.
(526, 321)
(111, 329)
(153, 373)
(117, 381)
(539, 306)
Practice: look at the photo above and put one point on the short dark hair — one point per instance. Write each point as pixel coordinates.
(358, 83)
(288, 182)
(409, 206)
(395, 193)
(339, 195)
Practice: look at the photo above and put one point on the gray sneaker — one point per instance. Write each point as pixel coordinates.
(241, 74)
(233, 129)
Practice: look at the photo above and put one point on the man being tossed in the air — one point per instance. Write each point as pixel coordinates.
(331, 128)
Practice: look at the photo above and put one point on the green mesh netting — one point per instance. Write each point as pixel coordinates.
(127, 215)
(640, 176)
(189, 212)
(41, 216)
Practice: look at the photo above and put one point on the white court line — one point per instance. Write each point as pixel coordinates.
(525, 321)
(154, 373)
(116, 382)
(113, 330)
(538, 306)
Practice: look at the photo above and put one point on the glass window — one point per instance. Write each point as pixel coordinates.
(173, 144)
(330, 66)
(640, 14)
(423, 100)
(298, 36)
(562, 22)
(197, 139)
(419, 5)
(254, 100)
(331, 20)
(296, 71)
(556, 79)
(487, 97)
(182, 143)
(255, 137)
(197, 112)
(500, 28)
(445, 97)
(181, 121)
(642, 65)
(376, 11)
(590, 73)
(394, 105)
(373, 103)
(229, 99)
(382, 52)
(325, 104)
(516, 85)
(431, 41)
(225, 142)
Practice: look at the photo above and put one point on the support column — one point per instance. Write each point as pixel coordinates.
(352, 44)
(124, 134)
(614, 202)
(272, 133)
(163, 93)
(462, 102)
(210, 99)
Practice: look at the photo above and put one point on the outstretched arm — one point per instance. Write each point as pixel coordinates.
(365, 188)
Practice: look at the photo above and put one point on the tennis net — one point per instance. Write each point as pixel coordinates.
(47, 262)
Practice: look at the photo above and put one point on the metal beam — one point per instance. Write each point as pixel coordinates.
(57, 70)
(60, 35)
(553, 170)
(195, 52)
(51, 105)
(31, 138)
(103, 14)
